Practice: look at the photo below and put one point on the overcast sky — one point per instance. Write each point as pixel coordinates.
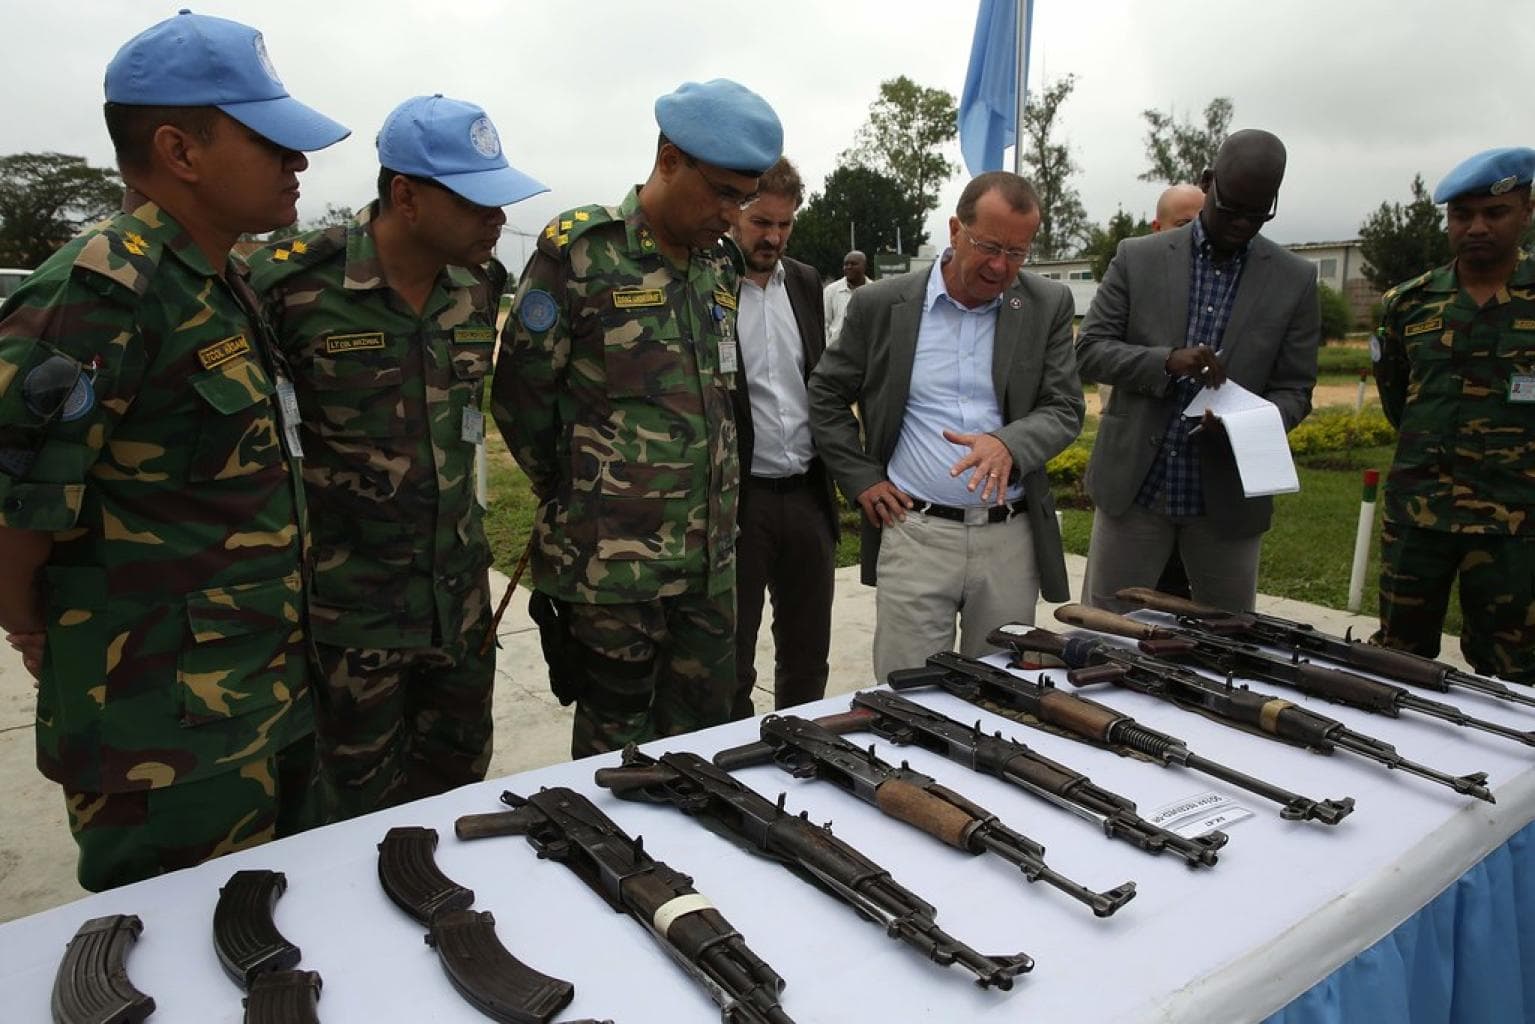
(1364, 93)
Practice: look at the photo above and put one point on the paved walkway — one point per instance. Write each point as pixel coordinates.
(37, 856)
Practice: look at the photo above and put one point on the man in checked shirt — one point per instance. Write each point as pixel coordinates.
(1179, 311)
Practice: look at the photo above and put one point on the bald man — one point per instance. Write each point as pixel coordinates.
(1243, 308)
(1177, 206)
(835, 296)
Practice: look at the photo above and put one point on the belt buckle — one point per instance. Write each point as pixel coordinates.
(977, 515)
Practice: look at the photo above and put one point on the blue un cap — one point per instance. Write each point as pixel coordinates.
(454, 144)
(193, 60)
(1493, 172)
(722, 123)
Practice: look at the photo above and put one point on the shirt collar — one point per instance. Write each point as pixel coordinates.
(937, 289)
(158, 227)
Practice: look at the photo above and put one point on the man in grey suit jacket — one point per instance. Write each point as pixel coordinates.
(1178, 311)
(966, 382)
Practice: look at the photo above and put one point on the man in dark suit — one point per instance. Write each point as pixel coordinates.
(1178, 311)
(966, 382)
(788, 512)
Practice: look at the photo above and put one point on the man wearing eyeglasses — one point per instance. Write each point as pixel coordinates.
(967, 385)
(613, 390)
(1179, 311)
(389, 323)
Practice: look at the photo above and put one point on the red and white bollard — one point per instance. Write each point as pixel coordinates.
(1362, 538)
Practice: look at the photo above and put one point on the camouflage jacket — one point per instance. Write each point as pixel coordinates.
(390, 401)
(175, 646)
(1459, 383)
(612, 397)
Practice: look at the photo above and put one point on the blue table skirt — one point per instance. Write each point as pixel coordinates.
(1468, 957)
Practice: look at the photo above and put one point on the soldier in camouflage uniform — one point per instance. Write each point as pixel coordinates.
(151, 512)
(1455, 363)
(613, 393)
(389, 324)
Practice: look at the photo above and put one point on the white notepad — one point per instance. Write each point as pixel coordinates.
(1257, 435)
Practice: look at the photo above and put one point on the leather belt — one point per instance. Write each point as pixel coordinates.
(779, 484)
(973, 515)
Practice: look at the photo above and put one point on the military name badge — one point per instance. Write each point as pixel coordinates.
(1524, 325)
(1521, 387)
(471, 430)
(287, 411)
(1435, 324)
(221, 352)
(538, 311)
(337, 343)
(638, 298)
(473, 335)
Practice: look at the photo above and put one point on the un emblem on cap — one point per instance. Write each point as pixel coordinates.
(264, 59)
(483, 137)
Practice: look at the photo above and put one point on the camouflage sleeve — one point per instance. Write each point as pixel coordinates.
(70, 360)
(1388, 350)
(535, 351)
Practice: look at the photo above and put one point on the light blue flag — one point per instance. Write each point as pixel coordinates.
(987, 108)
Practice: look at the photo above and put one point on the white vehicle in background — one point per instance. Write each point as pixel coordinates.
(10, 280)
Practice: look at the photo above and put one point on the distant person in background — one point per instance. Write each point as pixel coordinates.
(1176, 312)
(1455, 363)
(855, 274)
(787, 545)
(1177, 206)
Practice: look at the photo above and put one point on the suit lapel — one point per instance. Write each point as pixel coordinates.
(1176, 281)
(1010, 321)
(905, 321)
(802, 299)
(1250, 288)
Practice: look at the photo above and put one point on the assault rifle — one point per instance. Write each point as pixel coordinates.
(807, 750)
(1263, 714)
(740, 814)
(1286, 634)
(92, 986)
(1091, 722)
(1234, 658)
(562, 825)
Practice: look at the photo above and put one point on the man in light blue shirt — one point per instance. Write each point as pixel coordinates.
(967, 384)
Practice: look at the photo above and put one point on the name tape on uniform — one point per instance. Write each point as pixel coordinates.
(335, 343)
(473, 335)
(638, 298)
(221, 352)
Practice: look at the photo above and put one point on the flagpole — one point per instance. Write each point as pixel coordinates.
(1024, 21)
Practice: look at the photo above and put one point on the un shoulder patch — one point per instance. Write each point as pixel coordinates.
(538, 311)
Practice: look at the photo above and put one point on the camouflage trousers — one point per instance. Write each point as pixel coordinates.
(126, 837)
(1497, 596)
(398, 724)
(651, 668)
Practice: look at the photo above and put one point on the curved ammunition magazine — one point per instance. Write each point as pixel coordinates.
(284, 997)
(410, 876)
(92, 986)
(487, 975)
(247, 940)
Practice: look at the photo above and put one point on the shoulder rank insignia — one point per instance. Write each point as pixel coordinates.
(221, 352)
(724, 298)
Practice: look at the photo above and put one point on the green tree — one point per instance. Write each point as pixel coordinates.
(1337, 318)
(1103, 242)
(905, 138)
(1400, 242)
(1063, 224)
(856, 208)
(1180, 151)
(45, 199)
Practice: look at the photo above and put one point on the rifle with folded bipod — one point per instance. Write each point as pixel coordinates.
(1289, 635)
(743, 816)
(806, 750)
(1263, 714)
(564, 826)
(1222, 654)
(1088, 721)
